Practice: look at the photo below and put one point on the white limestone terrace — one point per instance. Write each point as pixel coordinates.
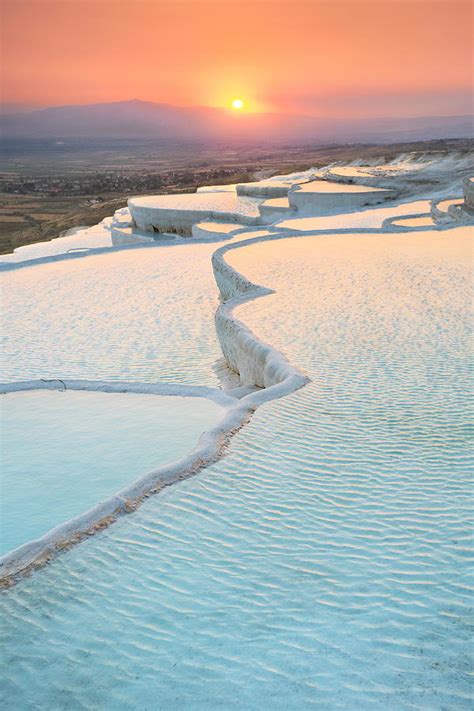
(123, 231)
(413, 221)
(373, 175)
(229, 188)
(444, 204)
(468, 187)
(133, 433)
(178, 213)
(275, 208)
(214, 231)
(253, 203)
(368, 218)
(458, 210)
(320, 197)
(257, 364)
(276, 187)
(350, 171)
(208, 228)
(407, 174)
(75, 242)
(336, 196)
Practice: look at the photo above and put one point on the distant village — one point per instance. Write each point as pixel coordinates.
(111, 182)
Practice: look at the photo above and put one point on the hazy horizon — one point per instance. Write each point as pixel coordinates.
(7, 108)
(305, 57)
(139, 119)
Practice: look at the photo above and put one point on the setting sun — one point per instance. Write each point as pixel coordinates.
(237, 104)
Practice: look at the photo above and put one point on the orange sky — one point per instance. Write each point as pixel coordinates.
(327, 57)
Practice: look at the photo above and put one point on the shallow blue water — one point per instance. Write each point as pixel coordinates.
(325, 562)
(63, 452)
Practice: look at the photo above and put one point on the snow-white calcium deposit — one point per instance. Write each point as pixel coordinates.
(469, 193)
(178, 213)
(413, 191)
(134, 432)
(321, 197)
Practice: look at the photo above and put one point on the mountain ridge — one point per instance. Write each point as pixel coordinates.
(145, 119)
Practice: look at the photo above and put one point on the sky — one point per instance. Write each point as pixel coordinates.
(352, 58)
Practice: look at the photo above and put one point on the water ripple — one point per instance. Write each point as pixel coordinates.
(323, 563)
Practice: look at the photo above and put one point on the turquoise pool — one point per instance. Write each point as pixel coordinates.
(325, 562)
(64, 452)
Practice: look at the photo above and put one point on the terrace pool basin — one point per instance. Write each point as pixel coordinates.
(64, 452)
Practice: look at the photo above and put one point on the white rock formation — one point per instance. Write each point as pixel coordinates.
(220, 212)
(178, 213)
(321, 197)
(468, 187)
(276, 209)
(215, 230)
(269, 188)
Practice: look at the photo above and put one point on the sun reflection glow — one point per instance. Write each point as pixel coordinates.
(237, 104)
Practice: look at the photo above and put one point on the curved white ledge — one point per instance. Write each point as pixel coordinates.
(35, 553)
(178, 213)
(276, 209)
(266, 188)
(206, 230)
(323, 197)
(397, 223)
(468, 188)
(451, 210)
(257, 363)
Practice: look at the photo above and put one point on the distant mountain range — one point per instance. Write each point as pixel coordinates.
(142, 119)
